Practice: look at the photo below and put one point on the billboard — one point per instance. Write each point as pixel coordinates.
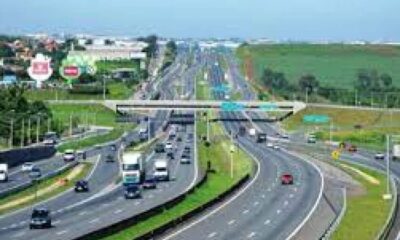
(40, 69)
(74, 66)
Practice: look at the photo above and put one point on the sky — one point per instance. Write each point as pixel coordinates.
(308, 20)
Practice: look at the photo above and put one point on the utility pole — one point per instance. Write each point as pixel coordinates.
(70, 125)
(29, 131)
(22, 132)
(37, 128)
(10, 144)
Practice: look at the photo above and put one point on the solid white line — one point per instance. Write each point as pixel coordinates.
(310, 213)
(94, 168)
(226, 203)
(62, 232)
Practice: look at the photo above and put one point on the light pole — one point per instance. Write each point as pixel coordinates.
(388, 194)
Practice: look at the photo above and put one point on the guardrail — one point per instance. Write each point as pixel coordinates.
(26, 185)
(121, 225)
(333, 226)
(384, 233)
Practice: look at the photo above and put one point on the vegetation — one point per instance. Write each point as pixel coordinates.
(170, 54)
(335, 72)
(46, 184)
(369, 204)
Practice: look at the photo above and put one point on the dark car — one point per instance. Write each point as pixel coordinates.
(82, 186)
(287, 179)
(261, 137)
(242, 131)
(159, 148)
(40, 218)
(132, 192)
(35, 173)
(110, 158)
(150, 183)
(170, 155)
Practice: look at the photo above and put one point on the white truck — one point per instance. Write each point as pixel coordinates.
(161, 171)
(132, 168)
(3, 172)
(396, 152)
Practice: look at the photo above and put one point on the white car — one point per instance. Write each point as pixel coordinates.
(69, 155)
(379, 156)
(185, 160)
(276, 147)
(270, 145)
(168, 146)
(27, 167)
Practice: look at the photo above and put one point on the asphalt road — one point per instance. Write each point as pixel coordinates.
(264, 209)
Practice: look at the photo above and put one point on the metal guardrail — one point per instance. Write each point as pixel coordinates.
(333, 226)
(385, 231)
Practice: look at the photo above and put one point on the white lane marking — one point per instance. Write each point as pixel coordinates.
(285, 203)
(62, 232)
(118, 211)
(57, 222)
(267, 222)
(231, 222)
(269, 190)
(251, 235)
(94, 220)
(151, 196)
(278, 211)
(295, 189)
(291, 195)
(94, 168)
(19, 234)
(256, 203)
(263, 196)
(316, 202)
(245, 211)
(211, 235)
(82, 213)
(226, 203)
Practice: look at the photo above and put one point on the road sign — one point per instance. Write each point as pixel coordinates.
(223, 88)
(316, 119)
(268, 107)
(335, 154)
(231, 106)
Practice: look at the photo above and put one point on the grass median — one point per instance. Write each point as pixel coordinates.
(366, 213)
(45, 189)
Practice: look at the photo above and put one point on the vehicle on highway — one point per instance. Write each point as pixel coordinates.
(170, 155)
(159, 148)
(3, 172)
(179, 139)
(40, 218)
(185, 159)
(110, 158)
(27, 166)
(277, 147)
(311, 139)
(285, 136)
(132, 168)
(396, 151)
(150, 183)
(261, 137)
(252, 131)
(242, 131)
(161, 171)
(287, 179)
(35, 173)
(352, 148)
(69, 155)
(270, 144)
(132, 191)
(113, 147)
(379, 156)
(82, 186)
(169, 146)
(50, 138)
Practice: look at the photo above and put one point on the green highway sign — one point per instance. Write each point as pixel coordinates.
(316, 118)
(231, 106)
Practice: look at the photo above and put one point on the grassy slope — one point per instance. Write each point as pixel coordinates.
(375, 125)
(44, 184)
(215, 185)
(117, 90)
(355, 225)
(334, 64)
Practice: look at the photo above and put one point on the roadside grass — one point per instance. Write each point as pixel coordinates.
(202, 89)
(366, 214)
(332, 64)
(108, 65)
(117, 90)
(361, 127)
(218, 182)
(42, 185)
(95, 114)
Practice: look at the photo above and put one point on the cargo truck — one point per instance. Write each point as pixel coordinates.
(396, 152)
(3, 172)
(132, 168)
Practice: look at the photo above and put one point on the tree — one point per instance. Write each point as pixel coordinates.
(308, 83)
(6, 51)
(386, 80)
(274, 80)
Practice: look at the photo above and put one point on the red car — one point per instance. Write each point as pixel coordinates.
(352, 148)
(287, 179)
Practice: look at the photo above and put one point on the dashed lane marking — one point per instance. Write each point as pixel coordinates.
(267, 222)
(251, 235)
(245, 211)
(211, 235)
(62, 232)
(231, 222)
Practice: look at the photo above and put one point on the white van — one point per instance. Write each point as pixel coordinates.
(161, 172)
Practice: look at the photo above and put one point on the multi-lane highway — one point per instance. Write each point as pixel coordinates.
(104, 203)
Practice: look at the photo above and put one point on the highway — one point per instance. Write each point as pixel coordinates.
(264, 209)
(104, 204)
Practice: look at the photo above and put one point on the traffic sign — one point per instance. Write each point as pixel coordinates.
(231, 106)
(268, 107)
(223, 88)
(316, 119)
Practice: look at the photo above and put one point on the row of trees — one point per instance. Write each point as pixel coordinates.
(370, 87)
(170, 54)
